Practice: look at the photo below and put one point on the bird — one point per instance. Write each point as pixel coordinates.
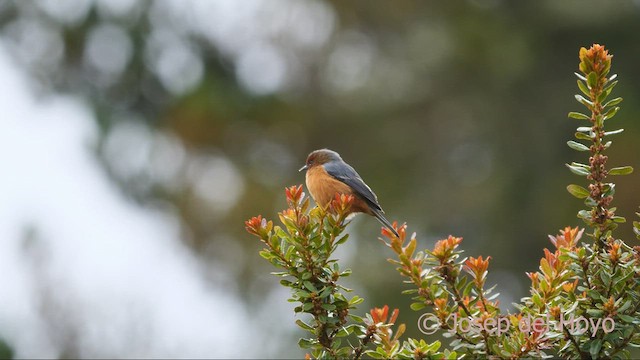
(327, 174)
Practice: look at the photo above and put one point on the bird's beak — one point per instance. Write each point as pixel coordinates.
(304, 168)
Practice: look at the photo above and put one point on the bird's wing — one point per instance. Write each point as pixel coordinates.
(348, 175)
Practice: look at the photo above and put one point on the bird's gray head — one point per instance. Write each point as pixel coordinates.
(320, 157)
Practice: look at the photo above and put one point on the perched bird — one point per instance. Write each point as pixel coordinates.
(327, 174)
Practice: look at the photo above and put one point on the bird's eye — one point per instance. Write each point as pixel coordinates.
(311, 162)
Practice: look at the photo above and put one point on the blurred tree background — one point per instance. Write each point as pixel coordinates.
(454, 112)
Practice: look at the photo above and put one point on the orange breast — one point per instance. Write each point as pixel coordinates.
(323, 186)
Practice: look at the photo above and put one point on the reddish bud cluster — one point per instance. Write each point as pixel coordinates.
(341, 204)
(614, 252)
(596, 59)
(444, 248)
(380, 315)
(610, 307)
(395, 242)
(568, 238)
(258, 226)
(477, 267)
(551, 260)
(440, 305)
(381, 330)
(294, 195)
(390, 235)
(569, 287)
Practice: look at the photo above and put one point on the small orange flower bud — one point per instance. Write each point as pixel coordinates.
(394, 316)
(614, 252)
(380, 315)
(568, 238)
(596, 59)
(294, 194)
(477, 266)
(387, 233)
(255, 225)
(341, 203)
(610, 306)
(552, 260)
(568, 287)
(440, 303)
(466, 301)
(444, 248)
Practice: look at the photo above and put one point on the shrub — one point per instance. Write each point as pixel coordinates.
(584, 298)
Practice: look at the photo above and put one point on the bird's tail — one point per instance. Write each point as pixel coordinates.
(385, 222)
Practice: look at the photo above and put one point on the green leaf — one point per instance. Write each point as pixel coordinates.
(346, 272)
(326, 291)
(592, 80)
(584, 214)
(375, 355)
(582, 136)
(348, 330)
(584, 101)
(623, 170)
(577, 146)
(594, 349)
(266, 254)
(411, 248)
(306, 343)
(583, 88)
(596, 313)
(328, 307)
(585, 64)
(342, 239)
(537, 300)
(609, 189)
(578, 191)
(304, 325)
(604, 95)
(613, 132)
(610, 86)
(590, 202)
(356, 300)
(611, 113)
(310, 286)
(627, 318)
(579, 116)
(578, 170)
(417, 306)
(613, 102)
(619, 219)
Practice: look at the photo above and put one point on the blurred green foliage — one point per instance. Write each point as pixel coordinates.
(5, 351)
(452, 111)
